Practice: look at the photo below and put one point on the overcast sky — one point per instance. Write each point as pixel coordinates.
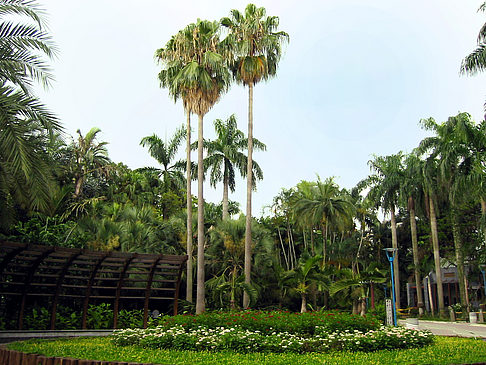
(355, 79)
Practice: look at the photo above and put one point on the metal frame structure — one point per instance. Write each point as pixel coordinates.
(28, 271)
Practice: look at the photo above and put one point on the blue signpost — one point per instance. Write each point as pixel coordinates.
(390, 254)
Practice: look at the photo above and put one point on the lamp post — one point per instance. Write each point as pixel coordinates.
(390, 254)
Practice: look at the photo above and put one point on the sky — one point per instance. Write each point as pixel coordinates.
(354, 81)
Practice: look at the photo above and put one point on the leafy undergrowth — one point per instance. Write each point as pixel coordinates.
(444, 351)
(279, 321)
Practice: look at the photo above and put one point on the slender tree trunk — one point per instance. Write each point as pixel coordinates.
(189, 286)
(435, 245)
(303, 306)
(313, 248)
(78, 186)
(483, 216)
(249, 186)
(395, 262)
(201, 295)
(283, 249)
(459, 257)
(225, 195)
(416, 263)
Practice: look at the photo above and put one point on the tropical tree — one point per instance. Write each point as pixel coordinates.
(25, 124)
(225, 155)
(323, 204)
(91, 157)
(475, 62)
(256, 45)
(452, 146)
(174, 57)
(165, 152)
(199, 75)
(412, 191)
(303, 276)
(384, 190)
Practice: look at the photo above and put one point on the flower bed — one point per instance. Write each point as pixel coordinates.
(277, 332)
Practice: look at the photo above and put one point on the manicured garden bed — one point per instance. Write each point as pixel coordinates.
(445, 350)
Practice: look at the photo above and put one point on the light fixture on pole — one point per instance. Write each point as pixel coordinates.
(390, 254)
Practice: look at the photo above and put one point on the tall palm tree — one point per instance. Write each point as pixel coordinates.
(256, 46)
(225, 154)
(200, 76)
(452, 146)
(165, 152)
(25, 124)
(90, 157)
(173, 57)
(384, 191)
(475, 62)
(412, 191)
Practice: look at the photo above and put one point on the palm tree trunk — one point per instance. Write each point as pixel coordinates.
(200, 295)
(249, 186)
(303, 306)
(459, 257)
(413, 231)
(225, 195)
(435, 245)
(189, 209)
(483, 216)
(395, 262)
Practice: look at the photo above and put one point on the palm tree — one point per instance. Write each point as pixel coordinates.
(165, 152)
(224, 155)
(256, 46)
(25, 124)
(90, 157)
(452, 144)
(323, 204)
(303, 276)
(475, 62)
(24, 45)
(200, 75)
(412, 191)
(173, 57)
(384, 188)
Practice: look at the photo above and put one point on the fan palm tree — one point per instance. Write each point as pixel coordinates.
(90, 157)
(225, 155)
(384, 191)
(200, 75)
(165, 152)
(256, 46)
(174, 56)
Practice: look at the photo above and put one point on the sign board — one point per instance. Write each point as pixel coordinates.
(389, 312)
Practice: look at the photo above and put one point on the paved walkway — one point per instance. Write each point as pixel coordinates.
(459, 329)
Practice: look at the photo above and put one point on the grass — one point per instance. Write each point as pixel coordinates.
(446, 350)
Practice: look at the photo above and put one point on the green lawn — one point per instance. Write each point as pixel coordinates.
(444, 351)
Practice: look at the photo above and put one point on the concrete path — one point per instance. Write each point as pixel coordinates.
(459, 329)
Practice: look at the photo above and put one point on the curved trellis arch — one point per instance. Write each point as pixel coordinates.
(28, 271)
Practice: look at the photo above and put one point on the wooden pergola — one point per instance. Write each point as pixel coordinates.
(28, 271)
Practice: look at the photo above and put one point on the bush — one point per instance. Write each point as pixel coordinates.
(280, 321)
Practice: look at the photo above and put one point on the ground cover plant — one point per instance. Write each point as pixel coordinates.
(444, 350)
